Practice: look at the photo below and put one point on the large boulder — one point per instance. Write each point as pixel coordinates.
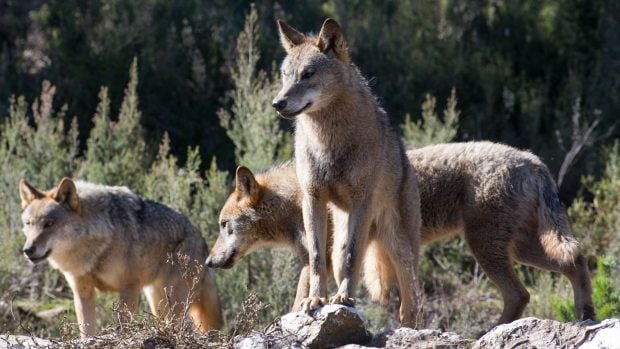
(23, 342)
(537, 333)
(405, 337)
(603, 335)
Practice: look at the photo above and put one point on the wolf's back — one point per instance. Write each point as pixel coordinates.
(120, 212)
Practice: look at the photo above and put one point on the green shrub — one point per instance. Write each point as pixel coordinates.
(606, 293)
(252, 124)
(116, 153)
(430, 129)
(597, 222)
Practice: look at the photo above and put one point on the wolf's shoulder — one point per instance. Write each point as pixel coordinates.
(101, 194)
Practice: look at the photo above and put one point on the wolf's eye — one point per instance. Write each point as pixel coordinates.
(307, 74)
(48, 224)
(223, 224)
(28, 223)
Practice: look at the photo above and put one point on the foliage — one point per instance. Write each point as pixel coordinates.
(430, 129)
(252, 124)
(518, 66)
(597, 221)
(116, 151)
(606, 294)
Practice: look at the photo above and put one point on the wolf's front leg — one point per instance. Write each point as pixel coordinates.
(315, 223)
(84, 301)
(352, 242)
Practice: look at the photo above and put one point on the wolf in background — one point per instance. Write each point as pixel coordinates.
(501, 199)
(348, 161)
(110, 239)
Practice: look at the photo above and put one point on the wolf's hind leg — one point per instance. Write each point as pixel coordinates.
(168, 297)
(303, 287)
(489, 244)
(530, 252)
(402, 244)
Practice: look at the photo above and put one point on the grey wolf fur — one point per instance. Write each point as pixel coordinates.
(110, 239)
(502, 199)
(348, 159)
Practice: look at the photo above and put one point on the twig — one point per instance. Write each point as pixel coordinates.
(580, 139)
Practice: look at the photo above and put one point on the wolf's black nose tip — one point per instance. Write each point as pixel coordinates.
(209, 263)
(29, 251)
(279, 104)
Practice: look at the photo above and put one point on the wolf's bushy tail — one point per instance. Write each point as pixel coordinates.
(555, 233)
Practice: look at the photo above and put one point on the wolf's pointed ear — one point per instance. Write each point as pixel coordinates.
(28, 193)
(246, 183)
(331, 40)
(67, 193)
(289, 37)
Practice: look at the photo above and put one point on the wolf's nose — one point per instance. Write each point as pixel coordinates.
(279, 104)
(30, 250)
(209, 262)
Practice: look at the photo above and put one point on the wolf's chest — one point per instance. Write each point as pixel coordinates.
(326, 167)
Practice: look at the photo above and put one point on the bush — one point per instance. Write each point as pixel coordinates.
(430, 129)
(597, 221)
(116, 152)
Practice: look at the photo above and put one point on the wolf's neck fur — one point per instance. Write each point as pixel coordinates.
(281, 206)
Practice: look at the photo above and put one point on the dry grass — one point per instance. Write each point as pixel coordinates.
(122, 329)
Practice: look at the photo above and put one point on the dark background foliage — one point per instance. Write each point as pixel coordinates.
(519, 67)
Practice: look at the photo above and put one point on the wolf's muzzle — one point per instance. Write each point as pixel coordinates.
(279, 104)
(225, 264)
(30, 253)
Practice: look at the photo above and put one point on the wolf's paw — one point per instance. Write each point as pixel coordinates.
(340, 298)
(311, 304)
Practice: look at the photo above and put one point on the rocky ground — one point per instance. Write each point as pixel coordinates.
(339, 326)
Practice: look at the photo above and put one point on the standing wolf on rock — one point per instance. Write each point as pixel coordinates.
(501, 199)
(110, 239)
(349, 159)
